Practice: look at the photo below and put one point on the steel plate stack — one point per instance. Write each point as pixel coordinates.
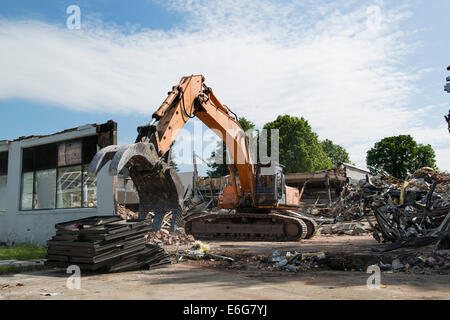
(104, 243)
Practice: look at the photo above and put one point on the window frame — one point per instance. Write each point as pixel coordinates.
(4, 155)
(82, 164)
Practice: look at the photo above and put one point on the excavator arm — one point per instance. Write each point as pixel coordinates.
(146, 161)
(192, 98)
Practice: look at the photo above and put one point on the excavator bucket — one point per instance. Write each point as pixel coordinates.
(158, 186)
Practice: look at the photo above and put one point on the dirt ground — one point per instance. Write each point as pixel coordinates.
(243, 279)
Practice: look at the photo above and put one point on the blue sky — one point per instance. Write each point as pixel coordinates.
(354, 82)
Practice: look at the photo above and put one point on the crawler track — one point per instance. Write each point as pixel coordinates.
(274, 226)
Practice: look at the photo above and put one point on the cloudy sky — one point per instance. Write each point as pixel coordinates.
(357, 70)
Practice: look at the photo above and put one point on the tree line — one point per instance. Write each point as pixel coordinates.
(300, 150)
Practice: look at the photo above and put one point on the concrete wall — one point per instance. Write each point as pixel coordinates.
(38, 226)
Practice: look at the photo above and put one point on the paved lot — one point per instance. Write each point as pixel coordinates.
(210, 280)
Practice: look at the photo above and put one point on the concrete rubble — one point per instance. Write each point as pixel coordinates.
(164, 237)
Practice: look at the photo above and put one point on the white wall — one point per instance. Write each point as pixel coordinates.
(38, 226)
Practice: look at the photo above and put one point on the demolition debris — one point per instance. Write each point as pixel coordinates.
(413, 212)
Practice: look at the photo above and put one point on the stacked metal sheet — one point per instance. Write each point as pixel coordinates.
(105, 243)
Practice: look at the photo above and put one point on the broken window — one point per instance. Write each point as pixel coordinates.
(3, 179)
(55, 175)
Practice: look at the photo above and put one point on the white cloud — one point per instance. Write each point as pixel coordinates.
(318, 60)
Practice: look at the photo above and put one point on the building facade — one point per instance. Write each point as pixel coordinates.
(44, 181)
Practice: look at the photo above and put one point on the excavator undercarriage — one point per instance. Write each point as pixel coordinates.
(273, 226)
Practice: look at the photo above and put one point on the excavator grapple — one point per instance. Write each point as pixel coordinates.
(158, 186)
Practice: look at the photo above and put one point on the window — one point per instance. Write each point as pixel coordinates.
(3, 179)
(55, 175)
(27, 191)
(44, 189)
(69, 187)
(89, 189)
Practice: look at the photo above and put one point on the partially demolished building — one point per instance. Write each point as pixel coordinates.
(43, 181)
(324, 187)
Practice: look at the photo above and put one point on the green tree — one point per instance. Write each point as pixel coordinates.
(335, 153)
(174, 165)
(221, 169)
(400, 156)
(300, 148)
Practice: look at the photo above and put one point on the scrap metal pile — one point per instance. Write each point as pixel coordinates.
(413, 212)
(105, 243)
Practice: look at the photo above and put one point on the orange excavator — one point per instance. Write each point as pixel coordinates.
(261, 206)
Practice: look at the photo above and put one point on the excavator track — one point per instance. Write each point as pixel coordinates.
(274, 226)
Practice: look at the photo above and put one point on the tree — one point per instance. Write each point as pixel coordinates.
(174, 165)
(400, 156)
(172, 161)
(221, 169)
(335, 153)
(300, 148)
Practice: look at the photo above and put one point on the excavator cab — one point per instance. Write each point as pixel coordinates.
(269, 185)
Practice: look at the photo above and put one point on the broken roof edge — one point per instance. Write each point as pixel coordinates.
(79, 128)
(355, 167)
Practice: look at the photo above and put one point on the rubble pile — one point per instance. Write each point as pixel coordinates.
(164, 237)
(413, 212)
(350, 204)
(199, 251)
(105, 243)
(291, 261)
(437, 261)
(342, 228)
(295, 261)
(125, 213)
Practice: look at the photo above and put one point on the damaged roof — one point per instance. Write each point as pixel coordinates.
(79, 128)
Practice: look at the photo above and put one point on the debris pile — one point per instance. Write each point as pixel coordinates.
(199, 250)
(415, 212)
(105, 243)
(292, 261)
(437, 261)
(350, 228)
(125, 213)
(295, 261)
(164, 237)
(350, 204)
